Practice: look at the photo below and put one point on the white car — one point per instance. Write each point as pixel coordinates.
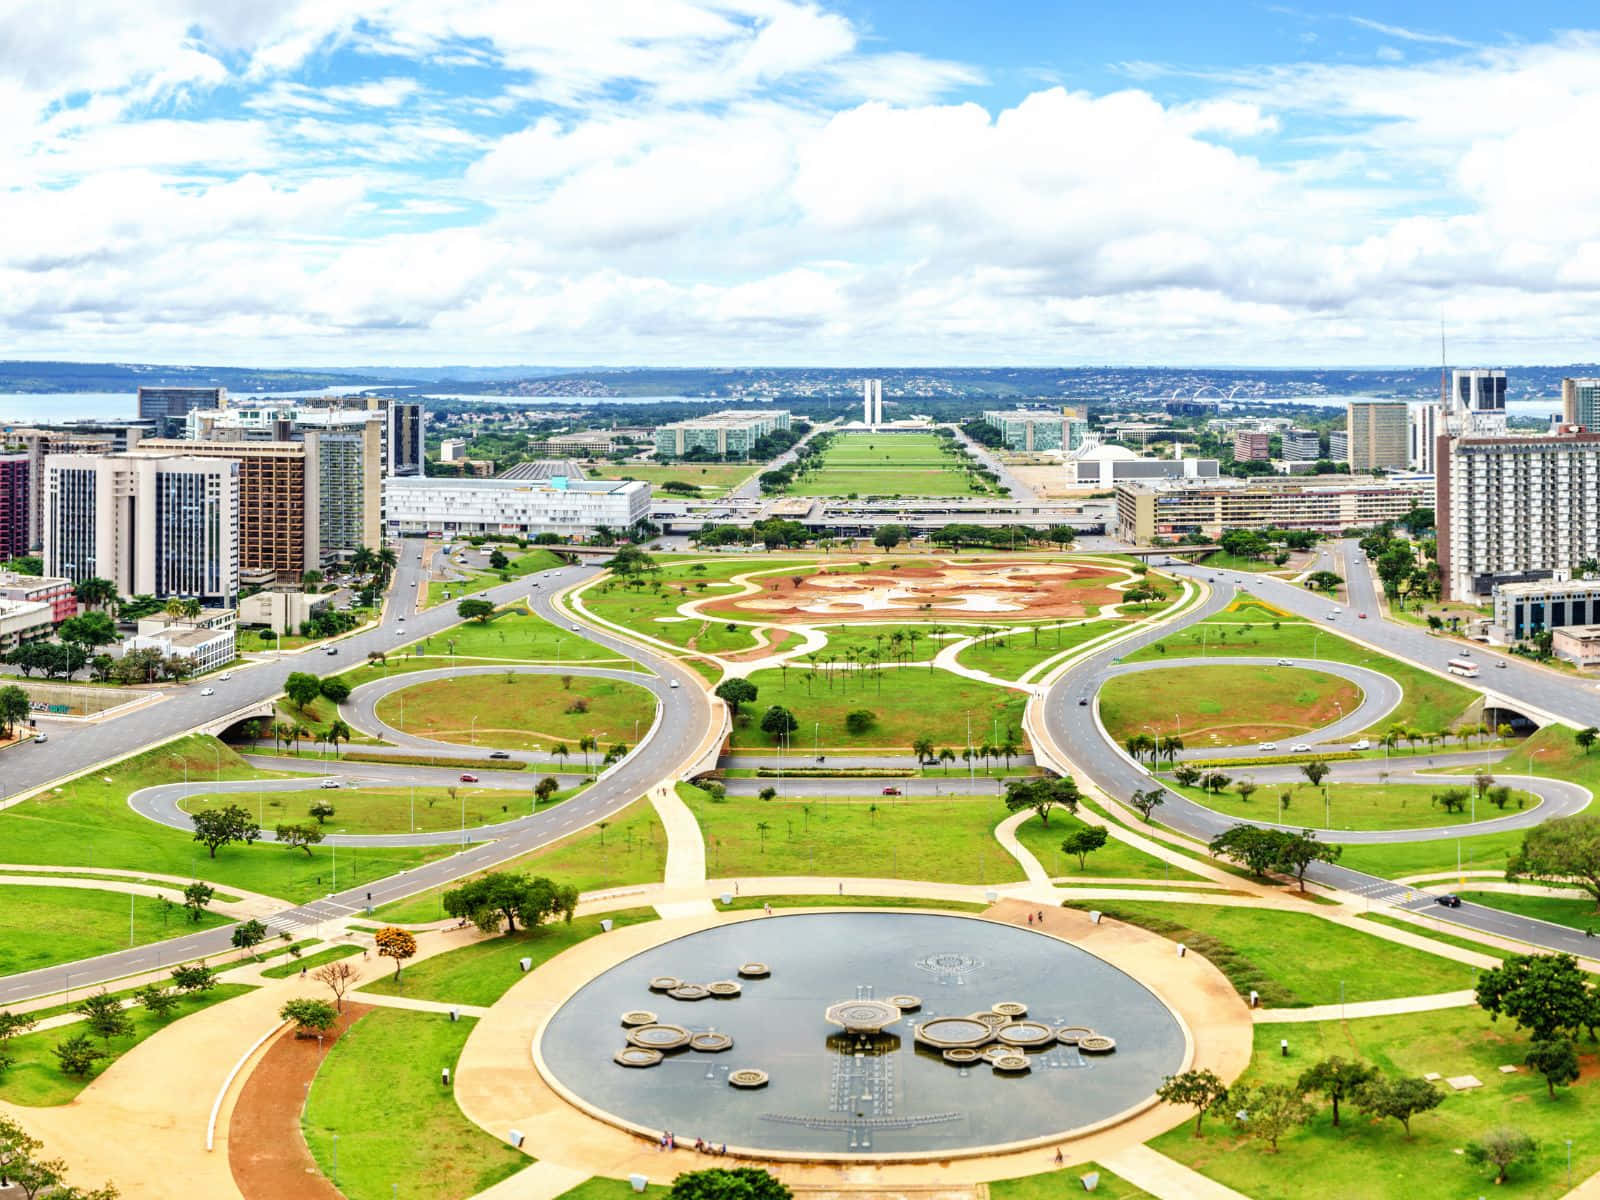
(329, 783)
(399, 633)
(1267, 746)
(1301, 748)
(672, 683)
(224, 677)
(1286, 662)
(574, 627)
(1363, 744)
(208, 691)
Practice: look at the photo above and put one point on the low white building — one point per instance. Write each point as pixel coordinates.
(512, 507)
(24, 621)
(1103, 465)
(209, 639)
(282, 612)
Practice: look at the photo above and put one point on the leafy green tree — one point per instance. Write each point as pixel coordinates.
(735, 692)
(1586, 738)
(156, 1000)
(297, 836)
(302, 688)
(249, 934)
(1315, 771)
(77, 1055)
(860, 720)
(889, 536)
(1187, 774)
(547, 787)
(14, 708)
(1042, 794)
(88, 630)
(1297, 851)
(321, 810)
(1269, 1111)
(104, 1016)
(1198, 1089)
(510, 896)
(1084, 842)
(1501, 1149)
(194, 979)
(1146, 801)
(17, 1147)
(309, 1016)
(1547, 994)
(475, 609)
(1252, 847)
(195, 898)
(1323, 581)
(1555, 1059)
(1337, 1079)
(1400, 1097)
(335, 689)
(778, 721)
(498, 560)
(218, 827)
(1565, 850)
(729, 1183)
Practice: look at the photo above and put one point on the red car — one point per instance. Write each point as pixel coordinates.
(469, 779)
(891, 791)
(1362, 616)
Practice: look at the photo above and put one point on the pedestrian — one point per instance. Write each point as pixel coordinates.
(1059, 1159)
(841, 887)
(767, 908)
(1030, 918)
(1041, 916)
(302, 972)
(735, 887)
(724, 1149)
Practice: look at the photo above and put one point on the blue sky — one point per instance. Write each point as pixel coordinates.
(780, 181)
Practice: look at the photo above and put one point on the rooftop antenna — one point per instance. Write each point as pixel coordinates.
(1444, 391)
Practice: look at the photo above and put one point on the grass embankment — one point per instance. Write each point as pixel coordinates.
(901, 464)
(1224, 705)
(48, 925)
(1115, 858)
(1373, 1160)
(905, 703)
(944, 840)
(1013, 654)
(521, 712)
(631, 849)
(482, 972)
(1051, 1185)
(36, 1079)
(1294, 959)
(520, 566)
(88, 822)
(1350, 805)
(400, 1133)
(1427, 702)
(386, 809)
(516, 633)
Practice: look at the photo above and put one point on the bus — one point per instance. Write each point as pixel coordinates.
(1462, 666)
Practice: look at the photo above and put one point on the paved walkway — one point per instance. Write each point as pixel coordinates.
(1366, 1008)
(1006, 834)
(686, 854)
(243, 910)
(1165, 1177)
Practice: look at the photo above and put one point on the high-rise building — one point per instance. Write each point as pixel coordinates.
(37, 441)
(1580, 403)
(16, 505)
(167, 406)
(872, 401)
(1301, 445)
(1025, 429)
(1511, 509)
(159, 526)
(729, 434)
(1478, 400)
(1425, 422)
(1379, 432)
(404, 435)
(1252, 445)
(1339, 446)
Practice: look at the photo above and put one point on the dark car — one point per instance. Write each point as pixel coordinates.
(499, 754)
(1449, 900)
(1082, 700)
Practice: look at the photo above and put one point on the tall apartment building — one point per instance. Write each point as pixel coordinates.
(1580, 402)
(1380, 435)
(516, 507)
(16, 506)
(167, 406)
(732, 433)
(1511, 509)
(1170, 509)
(1478, 400)
(404, 433)
(1339, 446)
(1425, 422)
(1301, 445)
(1252, 445)
(72, 437)
(162, 526)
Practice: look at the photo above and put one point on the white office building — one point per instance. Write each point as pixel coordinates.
(872, 401)
(1425, 422)
(513, 507)
(1478, 400)
(1515, 509)
(1301, 445)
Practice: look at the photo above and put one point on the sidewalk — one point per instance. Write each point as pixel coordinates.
(1366, 1008)
(1161, 1176)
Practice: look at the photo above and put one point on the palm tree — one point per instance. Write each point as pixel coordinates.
(363, 561)
(559, 750)
(1009, 747)
(174, 607)
(761, 828)
(922, 746)
(297, 732)
(95, 592)
(986, 752)
(338, 731)
(1170, 745)
(946, 757)
(190, 609)
(282, 733)
(586, 744)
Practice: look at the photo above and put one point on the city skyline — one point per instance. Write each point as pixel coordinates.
(775, 181)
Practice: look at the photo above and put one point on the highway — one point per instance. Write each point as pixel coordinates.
(686, 714)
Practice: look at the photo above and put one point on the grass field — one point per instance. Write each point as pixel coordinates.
(901, 464)
(1256, 949)
(650, 606)
(631, 849)
(1115, 858)
(88, 822)
(1484, 852)
(1428, 702)
(713, 479)
(521, 565)
(310, 962)
(395, 809)
(481, 973)
(1348, 805)
(516, 633)
(36, 1079)
(521, 712)
(1011, 656)
(1053, 1185)
(1574, 912)
(945, 841)
(1224, 705)
(1370, 1160)
(400, 1133)
(907, 703)
(601, 1188)
(48, 925)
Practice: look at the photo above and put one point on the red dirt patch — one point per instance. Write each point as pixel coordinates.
(1007, 590)
(774, 639)
(266, 1153)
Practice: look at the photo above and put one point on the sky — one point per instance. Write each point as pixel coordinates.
(780, 182)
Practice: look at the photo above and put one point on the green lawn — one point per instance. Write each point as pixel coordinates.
(650, 605)
(1221, 560)
(1052, 1185)
(521, 712)
(945, 840)
(829, 900)
(1348, 805)
(400, 1133)
(310, 962)
(482, 972)
(1484, 852)
(1115, 858)
(1574, 912)
(36, 1079)
(1011, 656)
(901, 464)
(1370, 1160)
(517, 633)
(48, 925)
(521, 565)
(1272, 952)
(863, 636)
(631, 849)
(88, 822)
(907, 703)
(394, 809)
(1224, 705)
(713, 479)
(601, 1188)
(1428, 702)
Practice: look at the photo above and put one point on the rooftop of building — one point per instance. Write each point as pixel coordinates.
(556, 483)
(22, 608)
(1582, 633)
(1280, 483)
(12, 579)
(728, 416)
(1536, 587)
(545, 468)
